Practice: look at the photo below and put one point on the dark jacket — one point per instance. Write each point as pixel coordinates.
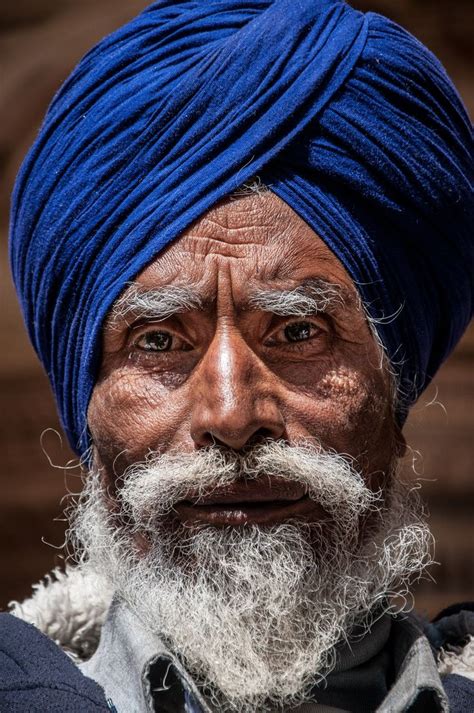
(36, 676)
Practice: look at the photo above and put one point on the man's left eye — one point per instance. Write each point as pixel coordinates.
(294, 332)
(299, 331)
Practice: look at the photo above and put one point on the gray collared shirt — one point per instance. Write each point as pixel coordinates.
(139, 674)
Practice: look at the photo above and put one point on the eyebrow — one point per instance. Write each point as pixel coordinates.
(312, 296)
(157, 304)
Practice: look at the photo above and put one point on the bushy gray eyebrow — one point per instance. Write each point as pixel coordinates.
(156, 304)
(309, 298)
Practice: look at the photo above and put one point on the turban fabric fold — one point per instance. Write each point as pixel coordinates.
(344, 115)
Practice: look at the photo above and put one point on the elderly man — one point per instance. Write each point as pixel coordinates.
(242, 244)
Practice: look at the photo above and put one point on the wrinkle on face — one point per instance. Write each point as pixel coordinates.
(329, 389)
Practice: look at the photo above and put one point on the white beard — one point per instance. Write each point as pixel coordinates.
(255, 612)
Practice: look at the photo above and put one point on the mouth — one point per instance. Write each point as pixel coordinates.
(262, 501)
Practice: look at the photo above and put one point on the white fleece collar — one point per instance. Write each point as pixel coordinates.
(70, 607)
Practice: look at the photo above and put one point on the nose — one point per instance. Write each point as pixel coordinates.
(236, 396)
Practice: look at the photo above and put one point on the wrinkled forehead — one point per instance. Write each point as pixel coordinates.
(253, 240)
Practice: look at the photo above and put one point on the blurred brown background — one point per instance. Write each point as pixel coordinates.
(40, 41)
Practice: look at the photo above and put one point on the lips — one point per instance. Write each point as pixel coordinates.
(262, 501)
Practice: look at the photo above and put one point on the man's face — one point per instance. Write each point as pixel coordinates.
(266, 340)
(244, 500)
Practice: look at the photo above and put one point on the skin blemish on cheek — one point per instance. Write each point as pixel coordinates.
(338, 382)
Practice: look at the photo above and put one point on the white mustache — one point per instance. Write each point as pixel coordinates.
(151, 489)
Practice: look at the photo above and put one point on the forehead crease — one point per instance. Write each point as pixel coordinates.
(241, 221)
(293, 262)
(273, 270)
(208, 232)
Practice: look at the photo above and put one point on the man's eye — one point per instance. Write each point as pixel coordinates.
(300, 331)
(155, 342)
(294, 332)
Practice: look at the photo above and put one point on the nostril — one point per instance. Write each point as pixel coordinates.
(207, 439)
(264, 434)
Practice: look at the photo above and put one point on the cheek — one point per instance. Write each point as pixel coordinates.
(360, 399)
(349, 411)
(129, 415)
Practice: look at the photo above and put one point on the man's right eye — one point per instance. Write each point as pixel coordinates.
(154, 342)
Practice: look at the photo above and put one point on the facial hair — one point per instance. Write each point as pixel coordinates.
(254, 612)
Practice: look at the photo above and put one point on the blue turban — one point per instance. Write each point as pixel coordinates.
(346, 117)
